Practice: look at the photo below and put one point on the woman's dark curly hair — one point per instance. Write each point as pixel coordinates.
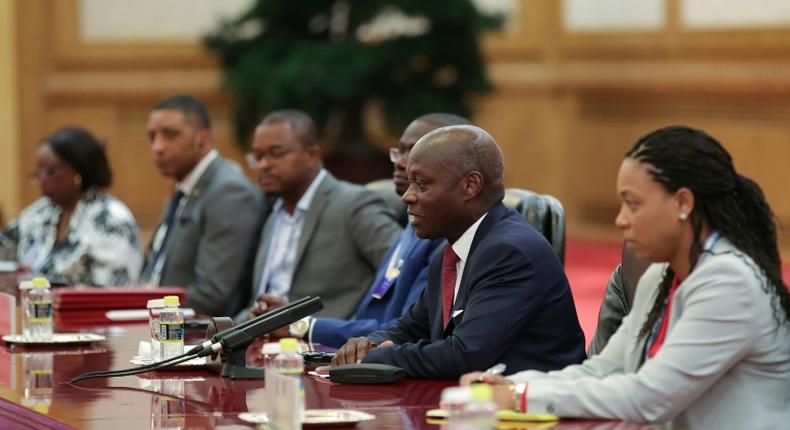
(83, 152)
(734, 205)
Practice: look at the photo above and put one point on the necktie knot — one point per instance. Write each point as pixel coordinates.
(450, 257)
(177, 195)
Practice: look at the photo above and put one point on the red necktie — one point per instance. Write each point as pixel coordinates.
(449, 273)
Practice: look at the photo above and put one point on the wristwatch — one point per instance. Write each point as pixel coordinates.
(300, 328)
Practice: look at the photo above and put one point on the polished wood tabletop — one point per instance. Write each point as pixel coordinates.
(35, 393)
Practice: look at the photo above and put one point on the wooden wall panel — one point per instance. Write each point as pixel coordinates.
(565, 107)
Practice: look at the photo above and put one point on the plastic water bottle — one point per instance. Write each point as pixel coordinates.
(37, 304)
(469, 408)
(480, 411)
(155, 307)
(289, 363)
(454, 401)
(171, 329)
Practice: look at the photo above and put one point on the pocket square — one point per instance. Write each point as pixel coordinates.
(457, 312)
(185, 219)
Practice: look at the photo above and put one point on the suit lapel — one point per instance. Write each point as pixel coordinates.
(317, 206)
(185, 215)
(263, 253)
(408, 243)
(435, 289)
(496, 213)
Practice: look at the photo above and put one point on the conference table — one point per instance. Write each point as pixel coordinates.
(35, 392)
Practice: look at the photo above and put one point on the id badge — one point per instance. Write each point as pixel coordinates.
(385, 284)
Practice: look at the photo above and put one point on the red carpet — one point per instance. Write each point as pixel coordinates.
(588, 266)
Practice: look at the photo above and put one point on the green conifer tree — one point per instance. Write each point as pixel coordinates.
(331, 58)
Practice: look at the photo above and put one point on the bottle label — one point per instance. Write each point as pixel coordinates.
(40, 311)
(171, 332)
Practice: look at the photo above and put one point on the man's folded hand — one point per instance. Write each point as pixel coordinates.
(266, 302)
(353, 351)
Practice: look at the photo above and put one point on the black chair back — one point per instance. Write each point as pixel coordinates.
(544, 212)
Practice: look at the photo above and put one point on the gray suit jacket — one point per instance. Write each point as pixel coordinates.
(211, 239)
(725, 362)
(345, 235)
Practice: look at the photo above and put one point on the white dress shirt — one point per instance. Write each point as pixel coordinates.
(461, 248)
(281, 258)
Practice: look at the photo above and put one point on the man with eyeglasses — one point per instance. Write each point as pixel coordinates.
(324, 237)
(209, 226)
(403, 273)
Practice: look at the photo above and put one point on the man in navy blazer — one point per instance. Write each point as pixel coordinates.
(498, 293)
(403, 273)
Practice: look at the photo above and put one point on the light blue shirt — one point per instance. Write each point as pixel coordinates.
(281, 258)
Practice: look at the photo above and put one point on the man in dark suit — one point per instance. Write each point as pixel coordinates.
(208, 228)
(403, 273)
(324, 237)
(497, 294)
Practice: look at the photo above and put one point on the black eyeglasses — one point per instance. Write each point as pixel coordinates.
(254, 157)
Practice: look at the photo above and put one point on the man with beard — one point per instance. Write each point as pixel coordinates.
(209, 226)
(324, 237)
(403, 273)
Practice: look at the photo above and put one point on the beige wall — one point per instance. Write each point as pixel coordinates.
(567, 103)
(9, 141)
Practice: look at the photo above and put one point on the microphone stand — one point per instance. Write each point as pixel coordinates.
(233, 341)
(236, 342)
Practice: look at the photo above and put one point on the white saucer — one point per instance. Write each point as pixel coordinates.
(57, 339)
(317, 417)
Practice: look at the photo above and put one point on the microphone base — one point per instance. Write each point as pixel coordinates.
(235, 367)
(242, 372)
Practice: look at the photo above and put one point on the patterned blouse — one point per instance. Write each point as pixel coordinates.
(102, 247)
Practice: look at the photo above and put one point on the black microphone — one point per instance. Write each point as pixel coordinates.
(233, 340)
(242, 337)
(220, 335)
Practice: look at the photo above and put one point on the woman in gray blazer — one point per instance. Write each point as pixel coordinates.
(707, 342)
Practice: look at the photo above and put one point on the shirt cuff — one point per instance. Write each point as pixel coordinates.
(311, 321)
(520, 394)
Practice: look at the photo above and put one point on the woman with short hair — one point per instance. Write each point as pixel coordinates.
(76, 233)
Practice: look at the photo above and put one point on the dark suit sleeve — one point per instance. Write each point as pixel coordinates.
(504, 292)
(335, 332)
(228, 233)
(373, 227)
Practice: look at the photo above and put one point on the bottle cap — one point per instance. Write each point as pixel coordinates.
(171, 301)
(155, 304)
(288, 344)
(40, 282)
(482, 392)
(26, 285)
(41, 407)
